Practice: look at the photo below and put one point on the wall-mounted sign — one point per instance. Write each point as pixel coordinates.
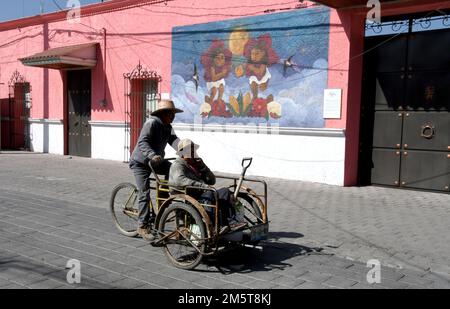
(28, 100)
(332, 103)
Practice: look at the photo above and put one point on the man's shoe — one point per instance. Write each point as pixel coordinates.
(224, 229)
(144, 232)
(238, 225)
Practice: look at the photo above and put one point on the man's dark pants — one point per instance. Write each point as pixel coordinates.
(142, 173)
(226, 209)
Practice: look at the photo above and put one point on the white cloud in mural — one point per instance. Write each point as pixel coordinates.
(308, 83)
(186, 97)
(302, 103)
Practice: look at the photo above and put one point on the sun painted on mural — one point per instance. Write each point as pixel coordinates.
(265, 69)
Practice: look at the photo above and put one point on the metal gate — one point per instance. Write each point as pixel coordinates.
(141, 97)
(15, 113)
(405, 127)
(79, 112)
(5, 124)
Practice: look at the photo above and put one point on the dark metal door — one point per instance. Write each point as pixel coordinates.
(79, 112)
(19, 113)
(5, 121)
(405, 123)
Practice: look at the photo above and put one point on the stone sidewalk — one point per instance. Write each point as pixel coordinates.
(55, 208)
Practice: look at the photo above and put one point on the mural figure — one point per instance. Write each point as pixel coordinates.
(260, 55)
(217, 63)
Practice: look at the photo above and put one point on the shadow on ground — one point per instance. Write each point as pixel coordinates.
(28, 269)
(18, 152)
(281, 235)
(274, 255)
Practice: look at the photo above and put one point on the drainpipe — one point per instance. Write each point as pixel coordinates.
(46, 93)
(104, 102)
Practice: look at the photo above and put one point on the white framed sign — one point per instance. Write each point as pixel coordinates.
(332, 103)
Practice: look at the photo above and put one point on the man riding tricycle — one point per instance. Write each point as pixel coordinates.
(188, 217)
(194, 219)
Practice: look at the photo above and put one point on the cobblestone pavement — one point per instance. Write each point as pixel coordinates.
(55, 208)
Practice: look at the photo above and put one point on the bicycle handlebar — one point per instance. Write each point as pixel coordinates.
(245, 167)
(153, 170)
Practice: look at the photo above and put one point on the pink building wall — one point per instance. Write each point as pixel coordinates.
(132, 35)
(143, 33)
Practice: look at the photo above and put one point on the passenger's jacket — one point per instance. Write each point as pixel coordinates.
(153, 140)
(182, 175)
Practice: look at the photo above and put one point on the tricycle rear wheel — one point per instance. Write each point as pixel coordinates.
(252, 213)
(185, 234)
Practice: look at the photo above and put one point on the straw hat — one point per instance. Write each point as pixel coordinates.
(164, 105)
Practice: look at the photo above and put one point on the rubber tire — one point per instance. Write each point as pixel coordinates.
(197, 217)
(254, 205)
(111, 207)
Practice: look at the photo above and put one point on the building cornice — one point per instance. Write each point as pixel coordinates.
(88, 10)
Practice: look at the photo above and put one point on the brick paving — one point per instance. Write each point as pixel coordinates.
(55, 208)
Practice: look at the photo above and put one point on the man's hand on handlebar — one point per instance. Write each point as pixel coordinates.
(156, 161)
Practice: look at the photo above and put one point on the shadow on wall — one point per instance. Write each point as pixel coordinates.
(103, 101)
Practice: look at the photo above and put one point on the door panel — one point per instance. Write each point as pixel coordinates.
(390, 58)
(427, 131)
(79, 112)
(426, 52)
(386, 166)
(426, 170)
(5, 120)
(18, 116)
(85, 128)
(428, 91)
(388, 129)
(73, 122)
(389, 91)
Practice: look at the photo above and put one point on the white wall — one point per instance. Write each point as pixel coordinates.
(108, 140)
(317, 157)
(47, 136)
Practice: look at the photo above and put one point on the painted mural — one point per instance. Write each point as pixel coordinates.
(267, 69)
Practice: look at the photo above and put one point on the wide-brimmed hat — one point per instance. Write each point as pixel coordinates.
(187, 145)
(164, 105)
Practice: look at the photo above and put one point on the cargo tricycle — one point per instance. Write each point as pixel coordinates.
(183, 228)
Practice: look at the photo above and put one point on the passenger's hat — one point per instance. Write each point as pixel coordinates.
(185, 143)
(164, 105)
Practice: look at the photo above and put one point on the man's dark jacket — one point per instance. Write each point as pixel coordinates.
(154, 137)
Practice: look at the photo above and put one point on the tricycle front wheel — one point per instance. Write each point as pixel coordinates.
(124, 208)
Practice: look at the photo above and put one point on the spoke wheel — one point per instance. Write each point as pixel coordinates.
(185, 234)
(124, 208)
(252, 212)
